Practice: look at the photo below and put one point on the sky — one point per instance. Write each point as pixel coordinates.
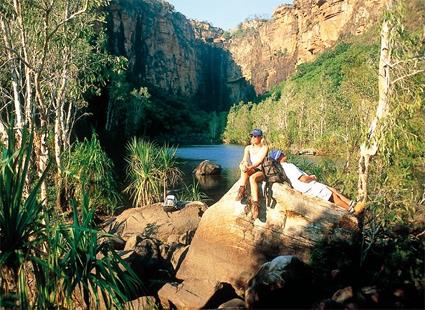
(226, 14)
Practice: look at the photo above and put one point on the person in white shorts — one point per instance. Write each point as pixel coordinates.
(308, 185)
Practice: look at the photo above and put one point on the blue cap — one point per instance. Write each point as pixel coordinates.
(256, 133)
(275, 154)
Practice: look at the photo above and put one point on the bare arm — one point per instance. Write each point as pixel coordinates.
(244, 163)
(307, 178)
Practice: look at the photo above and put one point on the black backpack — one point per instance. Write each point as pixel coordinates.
(274, 172)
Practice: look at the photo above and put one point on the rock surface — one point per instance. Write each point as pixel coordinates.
(229, 247)
(195, 294)
(151, 221)
(207, 168)
(285, 282)
(269, 50)
(197, 62)
(173, 55)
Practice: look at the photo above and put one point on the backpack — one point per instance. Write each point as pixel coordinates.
(274, 172)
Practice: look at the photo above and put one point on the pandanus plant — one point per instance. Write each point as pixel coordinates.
(151, 169)
(46, 262)
(21, 219)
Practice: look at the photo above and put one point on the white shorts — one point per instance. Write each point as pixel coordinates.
(319, 190)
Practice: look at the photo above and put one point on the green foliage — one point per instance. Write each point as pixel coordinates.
(45, 262)
(192, 192)
(239, 123)
(400, 268)
(151, 169)
(88, 169)
(80, 267)
(20, 217)
(323, 104)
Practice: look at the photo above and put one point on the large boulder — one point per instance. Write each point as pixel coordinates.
(207, 168)
(153, 222)
(229, 247)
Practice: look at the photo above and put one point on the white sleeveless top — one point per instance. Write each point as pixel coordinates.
(254, 156)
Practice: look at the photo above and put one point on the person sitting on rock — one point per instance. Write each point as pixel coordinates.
(308, 184)
(250, 167)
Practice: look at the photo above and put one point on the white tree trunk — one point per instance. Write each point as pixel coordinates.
(14, 74)
(370, 147)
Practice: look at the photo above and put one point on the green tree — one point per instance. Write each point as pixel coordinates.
(53, 55)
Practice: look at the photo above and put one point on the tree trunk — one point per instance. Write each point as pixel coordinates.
(13, 66)
(370, 147)
(43, 156)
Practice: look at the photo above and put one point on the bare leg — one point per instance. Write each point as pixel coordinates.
(253, 181)
(340, 196)
(335, 199)
(244, 178)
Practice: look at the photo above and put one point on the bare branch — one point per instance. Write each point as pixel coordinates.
(406, 76)
(395, 64)
(19, 57)
(70, 17)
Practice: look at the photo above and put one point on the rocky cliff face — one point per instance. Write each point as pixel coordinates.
(193, 61)
(173, 56)
(268, 51)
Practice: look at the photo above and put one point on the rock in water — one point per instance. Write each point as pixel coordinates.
(229, 247)
(207, 168)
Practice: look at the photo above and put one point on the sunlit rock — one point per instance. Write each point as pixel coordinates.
(229, 247)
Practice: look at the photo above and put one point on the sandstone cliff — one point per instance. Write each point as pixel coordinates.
(193, 61)
(268, 51)
(173, 56)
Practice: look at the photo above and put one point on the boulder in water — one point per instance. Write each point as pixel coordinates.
(207, 168)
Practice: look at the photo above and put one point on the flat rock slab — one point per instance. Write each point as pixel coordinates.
(192, 294)
(153, 222)
(229, 247)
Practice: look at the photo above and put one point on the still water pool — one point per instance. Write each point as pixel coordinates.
(227, 156)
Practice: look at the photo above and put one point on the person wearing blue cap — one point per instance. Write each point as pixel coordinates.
(250, 167)
(308, 184)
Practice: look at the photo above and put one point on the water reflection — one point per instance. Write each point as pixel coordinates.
(209, 181)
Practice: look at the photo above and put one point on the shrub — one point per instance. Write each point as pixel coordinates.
(151, 169)
(89, 169)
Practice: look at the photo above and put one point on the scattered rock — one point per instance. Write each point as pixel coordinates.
(284, 282)
(195, 294)
(178, 256)
(115, 242)
(145, 258)
(207, 168)
(235, 303)
(142, 303)
(342, 295)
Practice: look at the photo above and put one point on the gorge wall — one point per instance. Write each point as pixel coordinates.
(173, 56)
(193, 60)
(203, 68)
(269, 50)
